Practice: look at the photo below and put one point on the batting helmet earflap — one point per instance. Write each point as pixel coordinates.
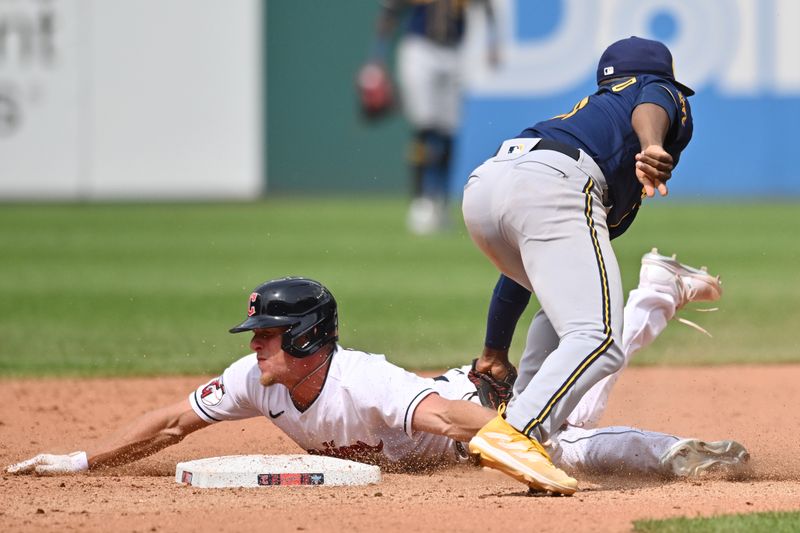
(302, 305)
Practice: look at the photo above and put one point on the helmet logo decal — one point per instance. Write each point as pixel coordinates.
(303, 309)
(251, 308)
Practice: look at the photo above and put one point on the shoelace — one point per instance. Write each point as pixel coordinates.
(698, 327)
(688, 298)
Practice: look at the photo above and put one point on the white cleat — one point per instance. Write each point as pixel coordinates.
(693, 457)
(686, 284)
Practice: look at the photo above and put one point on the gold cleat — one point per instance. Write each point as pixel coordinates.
(501, 447)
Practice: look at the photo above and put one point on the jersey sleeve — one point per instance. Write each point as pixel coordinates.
(665, 95)
(390, 393)
(235, 395)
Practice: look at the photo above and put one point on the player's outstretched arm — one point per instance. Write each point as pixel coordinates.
(147, 435)
(458, 419)
(653, 164)
(144, 436)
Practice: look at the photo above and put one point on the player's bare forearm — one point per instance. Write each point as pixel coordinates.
(653, 164)
(651, 123)
(457, 419)
(146, 435)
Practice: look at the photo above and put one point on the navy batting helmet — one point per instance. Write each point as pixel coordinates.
(302, 305)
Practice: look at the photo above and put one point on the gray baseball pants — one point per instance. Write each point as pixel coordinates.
(538, 215)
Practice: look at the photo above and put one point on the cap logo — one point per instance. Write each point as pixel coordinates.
(608, 71)
(251, 308)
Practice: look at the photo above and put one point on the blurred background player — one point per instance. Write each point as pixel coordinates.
(429, 79)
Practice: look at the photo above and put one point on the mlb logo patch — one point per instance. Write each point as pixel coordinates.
(514, 148)
(608, 71)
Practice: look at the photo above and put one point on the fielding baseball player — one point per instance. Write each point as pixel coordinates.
(543, 210)
(355, 405)
(429, 79)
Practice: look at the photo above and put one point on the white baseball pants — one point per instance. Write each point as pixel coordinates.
(429, 78)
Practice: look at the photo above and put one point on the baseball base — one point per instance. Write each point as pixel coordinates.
(274, 470)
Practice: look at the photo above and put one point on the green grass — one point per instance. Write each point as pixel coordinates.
(117, 289)
(776, 522)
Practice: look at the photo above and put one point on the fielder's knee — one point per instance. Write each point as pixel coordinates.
(615, 356)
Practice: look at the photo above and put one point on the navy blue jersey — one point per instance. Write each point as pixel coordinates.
(600, 125)
(441, 21)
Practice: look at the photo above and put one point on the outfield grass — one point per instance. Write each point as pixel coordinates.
(775, 522)
(116, 289)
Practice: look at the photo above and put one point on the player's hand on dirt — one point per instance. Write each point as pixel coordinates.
(46, 464)
(653, 168)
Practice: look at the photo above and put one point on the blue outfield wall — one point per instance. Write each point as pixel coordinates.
(741, 57)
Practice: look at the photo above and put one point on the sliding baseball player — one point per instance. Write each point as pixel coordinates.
(350, 404)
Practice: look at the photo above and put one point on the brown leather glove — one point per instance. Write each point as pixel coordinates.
(492, 391)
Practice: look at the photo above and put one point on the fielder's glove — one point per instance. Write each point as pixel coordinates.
(493, 392)
(374, 88)
(46, 464)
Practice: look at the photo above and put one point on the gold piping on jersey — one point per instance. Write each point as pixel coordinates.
(624, 85)
(636, 206)
(597, 352)
(683, 108)
(669, 93)
(580, 105)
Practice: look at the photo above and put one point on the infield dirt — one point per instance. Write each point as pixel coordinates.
(756, 405)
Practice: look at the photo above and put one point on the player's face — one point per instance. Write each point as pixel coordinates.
(274, 363)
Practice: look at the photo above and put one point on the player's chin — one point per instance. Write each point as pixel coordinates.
(266, 379)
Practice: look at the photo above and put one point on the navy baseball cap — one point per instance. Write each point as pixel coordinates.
(634, 55)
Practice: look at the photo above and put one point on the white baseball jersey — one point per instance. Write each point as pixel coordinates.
(365, 409)
(363, 413)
